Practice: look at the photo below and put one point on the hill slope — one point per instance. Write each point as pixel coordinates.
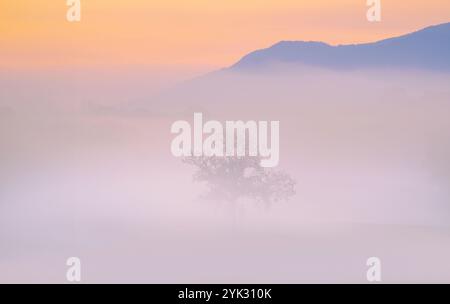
(428, 48)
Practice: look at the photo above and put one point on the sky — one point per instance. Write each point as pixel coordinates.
(190, 33)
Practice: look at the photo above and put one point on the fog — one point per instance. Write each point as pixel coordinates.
(86, 171)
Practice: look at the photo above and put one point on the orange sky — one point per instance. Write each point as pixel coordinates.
(215, 33)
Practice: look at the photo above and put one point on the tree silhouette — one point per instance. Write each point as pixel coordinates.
(231, 178)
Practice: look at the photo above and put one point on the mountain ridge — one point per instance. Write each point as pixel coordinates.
(428, 48)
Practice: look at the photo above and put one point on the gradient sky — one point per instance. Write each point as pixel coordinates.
(35, 34)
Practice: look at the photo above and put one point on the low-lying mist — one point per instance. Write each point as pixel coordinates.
(369, 151)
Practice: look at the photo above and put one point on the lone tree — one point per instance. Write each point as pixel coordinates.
(231, 178)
